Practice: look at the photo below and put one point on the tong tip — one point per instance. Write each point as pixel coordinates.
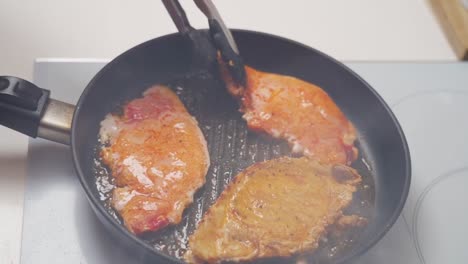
(232, 60)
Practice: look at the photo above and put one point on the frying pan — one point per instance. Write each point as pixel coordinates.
(184, 62)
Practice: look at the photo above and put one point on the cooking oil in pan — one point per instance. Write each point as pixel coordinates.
(232, 148)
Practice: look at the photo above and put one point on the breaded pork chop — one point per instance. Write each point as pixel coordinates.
(273, 208)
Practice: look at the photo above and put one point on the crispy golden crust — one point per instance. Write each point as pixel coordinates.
(274, 208)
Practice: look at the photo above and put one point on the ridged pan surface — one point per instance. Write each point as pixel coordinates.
(384, 159)
(232, 148)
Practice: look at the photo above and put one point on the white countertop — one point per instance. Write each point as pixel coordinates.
(360, 30)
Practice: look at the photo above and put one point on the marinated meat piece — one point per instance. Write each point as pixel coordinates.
(273, 209)
(300, 112)
(158, 157)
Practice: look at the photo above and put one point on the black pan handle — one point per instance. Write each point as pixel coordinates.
(26, 108)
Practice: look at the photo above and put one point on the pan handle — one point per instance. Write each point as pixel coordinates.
(26, 108)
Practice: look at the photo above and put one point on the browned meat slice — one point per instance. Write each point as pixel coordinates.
(159, 158)
(297, 111)
(274, 208)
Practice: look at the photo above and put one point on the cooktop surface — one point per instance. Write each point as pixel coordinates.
(429, 100)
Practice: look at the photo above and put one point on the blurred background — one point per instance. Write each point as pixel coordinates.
(396, 30)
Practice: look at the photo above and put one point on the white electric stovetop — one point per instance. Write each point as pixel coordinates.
(429, 100)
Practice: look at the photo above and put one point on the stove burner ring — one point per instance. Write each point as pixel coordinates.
(440, 179)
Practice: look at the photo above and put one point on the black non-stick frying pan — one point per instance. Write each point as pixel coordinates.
(175, 60)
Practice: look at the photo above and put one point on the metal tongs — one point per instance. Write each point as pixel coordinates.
(206, 46)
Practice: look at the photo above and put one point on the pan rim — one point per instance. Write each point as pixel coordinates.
(97, 204)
